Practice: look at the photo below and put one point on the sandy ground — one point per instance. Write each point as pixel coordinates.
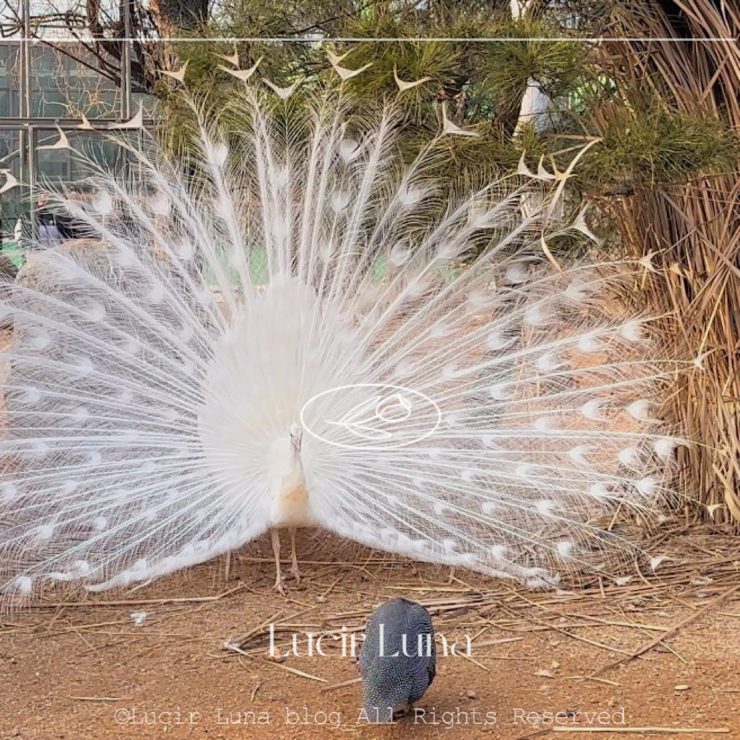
(89, 670)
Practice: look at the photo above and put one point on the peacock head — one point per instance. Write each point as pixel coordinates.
(296, 437)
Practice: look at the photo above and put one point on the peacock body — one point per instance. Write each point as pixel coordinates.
(303, 332)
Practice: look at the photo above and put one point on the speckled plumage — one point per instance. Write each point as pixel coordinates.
(396, 672)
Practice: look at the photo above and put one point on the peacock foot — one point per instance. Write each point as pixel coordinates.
(296, 573)
(280, 587)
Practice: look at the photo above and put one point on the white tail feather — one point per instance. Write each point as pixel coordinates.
(302, 278)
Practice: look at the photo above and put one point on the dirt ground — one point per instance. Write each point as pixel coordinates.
(152, 663)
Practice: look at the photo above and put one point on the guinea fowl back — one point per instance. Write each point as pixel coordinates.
(398, 661)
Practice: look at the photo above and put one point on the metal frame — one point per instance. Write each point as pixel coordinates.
(27, 125)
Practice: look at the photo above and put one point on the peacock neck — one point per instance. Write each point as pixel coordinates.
(291, 505)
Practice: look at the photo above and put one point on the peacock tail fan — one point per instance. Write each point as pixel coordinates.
(463, 401)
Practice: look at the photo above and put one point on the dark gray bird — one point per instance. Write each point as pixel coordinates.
(398, 659)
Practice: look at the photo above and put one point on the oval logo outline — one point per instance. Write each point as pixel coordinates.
(371, 448)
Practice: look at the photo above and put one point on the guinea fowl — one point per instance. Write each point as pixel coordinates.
(398, 661)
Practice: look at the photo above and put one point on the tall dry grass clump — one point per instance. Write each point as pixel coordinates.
(692, 229)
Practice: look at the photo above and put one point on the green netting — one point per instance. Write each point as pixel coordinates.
(13, 251)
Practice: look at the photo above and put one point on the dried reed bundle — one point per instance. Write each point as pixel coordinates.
(693, 230)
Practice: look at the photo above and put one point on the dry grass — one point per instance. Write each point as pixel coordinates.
(694, 232)
(649, 640)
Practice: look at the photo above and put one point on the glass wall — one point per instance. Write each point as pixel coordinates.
(46, 87)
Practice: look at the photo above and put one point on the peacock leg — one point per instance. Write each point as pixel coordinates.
(294, 570)
(276, 549)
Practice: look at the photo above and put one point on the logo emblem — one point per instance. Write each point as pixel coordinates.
(370, 416)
